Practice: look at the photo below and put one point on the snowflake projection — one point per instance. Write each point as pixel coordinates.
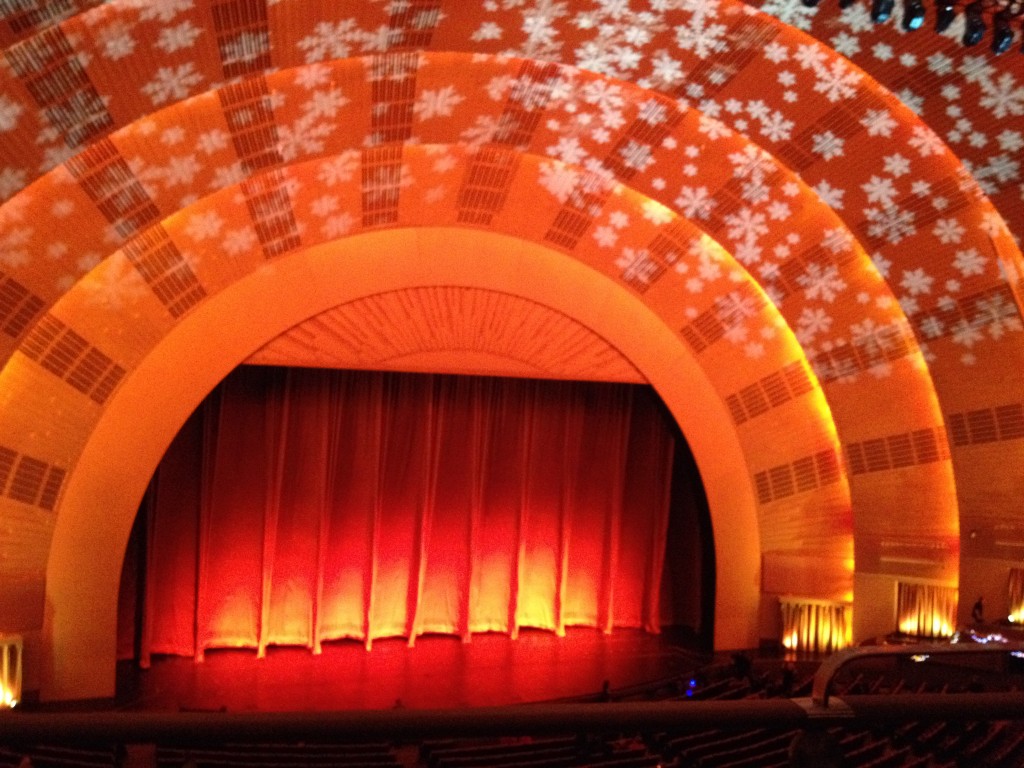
(859, 155)
(172, 83)
(822, 283)
(112, 285)
(438, 103)
(707, 159)
(320, 105)
(10, 111)
(329, 41)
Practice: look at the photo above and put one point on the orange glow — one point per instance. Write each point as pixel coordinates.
(815, 625)
(10, 670)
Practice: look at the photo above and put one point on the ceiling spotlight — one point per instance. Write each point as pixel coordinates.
(1002, 36)
(974, 26)
(913, 14)
(881, 10)
(945, 12)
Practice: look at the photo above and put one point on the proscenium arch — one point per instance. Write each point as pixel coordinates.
(864, 436)
(99, 504)
(100, 320)
(920, 411)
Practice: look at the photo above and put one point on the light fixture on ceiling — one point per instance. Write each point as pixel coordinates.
(980, 16)
(913, 14)
(1002, 35)
(945, 13)
(881, 10)
(974, 23)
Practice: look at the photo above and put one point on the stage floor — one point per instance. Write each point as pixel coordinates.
(438, 672)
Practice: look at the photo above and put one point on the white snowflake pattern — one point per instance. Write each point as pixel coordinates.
(204, 225)
(178, 37)
(637, 265)
(822, 282)
(948, 231)
(636, 156)
(238, 242)
(438, 103)
(338, 225)
(916, 281)
(998, 316)
(172, 83)
(926, 141)
(164, 11)
(880, 189)
(828, 145)
(837, 80)
(10, 111)
(775, 127)
(1003, 96)
(746, 223)
(878, 122)
(811, 322)
(969, 262)
(890, 223)
(831, 196)
(695, 202)
(559, 179)
(331, 41)
(116, 41)
(700, 37)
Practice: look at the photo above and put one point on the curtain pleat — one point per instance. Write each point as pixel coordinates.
(1015, 594)
(298, 507)
(815, 626)
(926, 610)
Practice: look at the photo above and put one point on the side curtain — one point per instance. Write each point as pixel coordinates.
(926, 610)
(300, 506)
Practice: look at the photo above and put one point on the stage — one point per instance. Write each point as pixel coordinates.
(437, 672)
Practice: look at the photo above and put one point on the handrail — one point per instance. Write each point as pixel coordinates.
(821, 689)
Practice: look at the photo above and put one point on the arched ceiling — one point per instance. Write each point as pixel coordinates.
(841, 279)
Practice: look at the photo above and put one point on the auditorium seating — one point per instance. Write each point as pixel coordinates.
(912, 744)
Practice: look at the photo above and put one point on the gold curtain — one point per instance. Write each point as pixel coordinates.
(926, 610)
(1015, 593)
(10, 670)
(815, 625)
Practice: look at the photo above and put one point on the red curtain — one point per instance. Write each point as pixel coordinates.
(299, 506)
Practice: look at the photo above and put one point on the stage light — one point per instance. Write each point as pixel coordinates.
(945, 13)
(913, 14)
(1002, 36)
(881, 10)
(974, 24)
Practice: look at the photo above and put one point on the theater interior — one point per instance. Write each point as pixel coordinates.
(371, 359)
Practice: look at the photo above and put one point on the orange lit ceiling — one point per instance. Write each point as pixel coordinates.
(822, 259)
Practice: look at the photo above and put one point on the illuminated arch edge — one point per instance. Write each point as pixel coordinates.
(211, 340)
(75, 540)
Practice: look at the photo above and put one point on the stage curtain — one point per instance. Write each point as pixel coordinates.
(301, 506)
